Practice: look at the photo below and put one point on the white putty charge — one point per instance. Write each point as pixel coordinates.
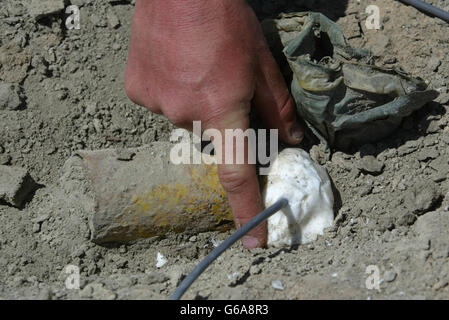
(307, 187)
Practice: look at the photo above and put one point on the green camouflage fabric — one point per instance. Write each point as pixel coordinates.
(345, 99)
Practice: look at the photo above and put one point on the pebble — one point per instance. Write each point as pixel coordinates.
(422, 197)
(176, 276)
(408, 147)
(9, 97)
(445, 137)
(36, 227)
(433, 63)
(390, 276)
(277, 284)
(15, 185)
(427, 154)
(439, 285)
(91, 108)
(97, 291)
(370, 165)
(113, 20)
(45, 294)
(41, 218)
(124, 154)
(160, 260)
(255, 269)
(43, 8)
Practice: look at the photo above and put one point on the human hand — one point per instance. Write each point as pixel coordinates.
(208, 61)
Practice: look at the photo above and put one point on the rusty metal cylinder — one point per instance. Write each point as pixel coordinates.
(141, 193)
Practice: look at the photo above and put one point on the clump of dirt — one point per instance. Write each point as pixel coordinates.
(65, 93)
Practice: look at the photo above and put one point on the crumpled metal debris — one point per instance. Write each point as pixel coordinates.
(344, 98)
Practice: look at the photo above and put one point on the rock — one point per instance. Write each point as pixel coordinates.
(42, 8)
(116, 46)
(154, 277)
(390, 276)
(15, 185)
(160, 260)
(10, 98)
(113, 20)
(432, 227)
(125, 154)
(385, 223)
(5, 159)
(120, 262)
(366, 188)
(433, 64)
(443, 98)
(434, 126)
(407, 148)
(390, 59)
(427, 154)
(370, 164)
(14, 63)
(441, 166)
(45, 294)
(91, 108)
(277, 284)
(97, 291)
(79, 252)
(319, 154)
(342, 160)
(122, 249)
(36, 227)
(445, 137)
(439, 176)
(41, 218)
(80, 3)
(406, 219)
(141, 293)
(422, 197)
(255, 269)
(98, 20)
(440, 285)
(176, 276)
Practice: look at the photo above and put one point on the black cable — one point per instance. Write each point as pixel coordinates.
(185, 284)
(429, 9)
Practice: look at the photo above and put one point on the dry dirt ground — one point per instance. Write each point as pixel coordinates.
(67, 94)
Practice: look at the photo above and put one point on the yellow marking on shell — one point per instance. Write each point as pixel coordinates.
(177, 206)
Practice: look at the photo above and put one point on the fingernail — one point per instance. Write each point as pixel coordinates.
(297, 132)
(250, 242)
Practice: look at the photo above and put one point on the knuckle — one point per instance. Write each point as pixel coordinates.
(139, 94)
(286, 109)
(233, 180)
(134, 89)
(130, 89)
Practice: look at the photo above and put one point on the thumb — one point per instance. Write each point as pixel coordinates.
(274, 102)
(239, 180)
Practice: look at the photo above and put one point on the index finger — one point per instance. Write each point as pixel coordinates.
(239, 180)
